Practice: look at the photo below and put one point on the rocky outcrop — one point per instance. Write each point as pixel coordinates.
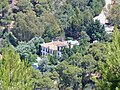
(102, 17)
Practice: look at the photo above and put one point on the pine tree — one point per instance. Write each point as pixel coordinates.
(14, 74)
(110, 68)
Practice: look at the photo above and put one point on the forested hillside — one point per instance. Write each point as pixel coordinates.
(94, 64)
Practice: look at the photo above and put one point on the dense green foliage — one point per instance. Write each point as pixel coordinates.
(16, 74)
(109, 68)
(28, 50)
(114, 15)
(13, 72)
(51, 18)
(39, 21)
(27, 26)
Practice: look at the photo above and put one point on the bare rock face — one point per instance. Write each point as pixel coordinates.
(102, 17)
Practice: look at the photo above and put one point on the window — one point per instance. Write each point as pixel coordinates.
(43, 49)
(58, 54)
(58, 48)
(46, 49)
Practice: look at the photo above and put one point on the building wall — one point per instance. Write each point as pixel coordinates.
(59, 53)
(43, 51)
(46, 51)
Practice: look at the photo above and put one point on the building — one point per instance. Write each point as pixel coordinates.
(72, 43)
(102, 16)
(53, 47)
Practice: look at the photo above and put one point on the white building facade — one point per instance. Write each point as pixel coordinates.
(53, 48)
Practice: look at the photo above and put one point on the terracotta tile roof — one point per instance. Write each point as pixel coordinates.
(53, 45)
